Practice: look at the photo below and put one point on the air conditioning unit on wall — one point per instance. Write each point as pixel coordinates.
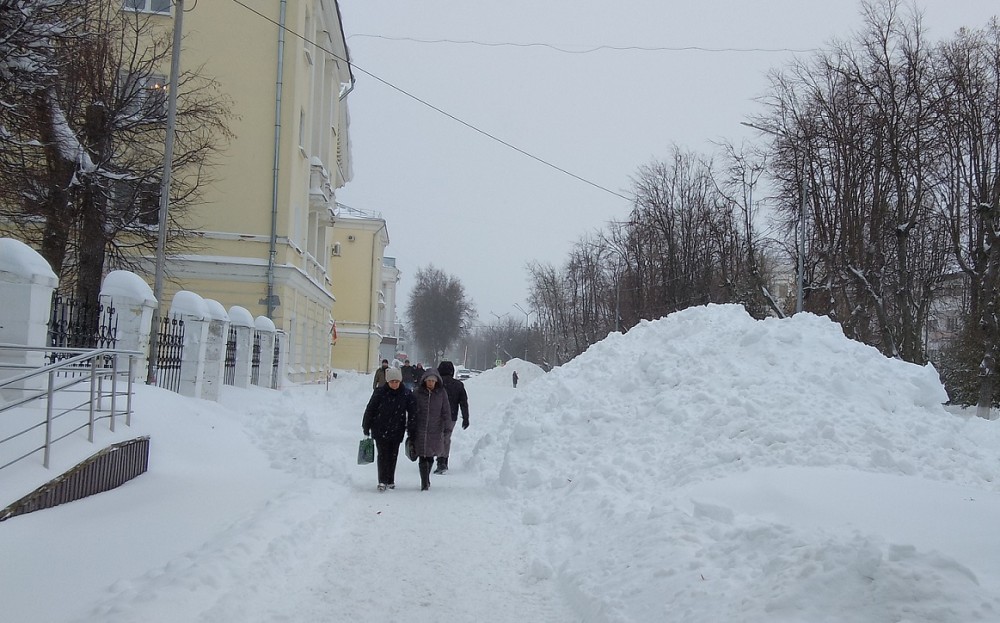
(351, 238)
(335, 249)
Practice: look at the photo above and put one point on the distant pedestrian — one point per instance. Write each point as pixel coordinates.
(418, 372)
(385, 420)
(458, 398)
(409, 375)
(380, 375)
(426, 428)
(514, 378)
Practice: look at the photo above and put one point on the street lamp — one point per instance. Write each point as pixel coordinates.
(168, 156)
(800, 276)
(526, 314)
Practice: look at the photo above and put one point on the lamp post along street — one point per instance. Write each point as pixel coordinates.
(526, 314)
(801, 237)
(168, 158)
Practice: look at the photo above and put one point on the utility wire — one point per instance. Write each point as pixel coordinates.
(435, 108)
(585, 50)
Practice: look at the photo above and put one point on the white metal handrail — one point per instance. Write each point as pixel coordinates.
(63, 379)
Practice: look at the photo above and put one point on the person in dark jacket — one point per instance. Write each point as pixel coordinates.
(514, 378)
(409, 375)
(458, 398)
(432, 414)
(379, 380)
(385, 419)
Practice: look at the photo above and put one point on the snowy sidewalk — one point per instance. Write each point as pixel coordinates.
(263, 515)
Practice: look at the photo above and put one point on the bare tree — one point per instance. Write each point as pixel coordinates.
(439, 312)
(858, 123)
(969, 89)
(90, 155)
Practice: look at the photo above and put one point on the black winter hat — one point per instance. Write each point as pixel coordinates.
(446, 368)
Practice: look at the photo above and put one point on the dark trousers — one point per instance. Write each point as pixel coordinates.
(388, 452)
(426, 463)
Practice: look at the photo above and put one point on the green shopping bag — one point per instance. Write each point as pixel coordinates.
(366, 451)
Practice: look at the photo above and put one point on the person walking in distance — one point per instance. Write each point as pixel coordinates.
(514, 378)
(432, 414)
(458, 398)
(380, 375)
(385, 420)
(409, 375)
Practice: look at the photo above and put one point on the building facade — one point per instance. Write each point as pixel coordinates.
(356, 263)
(263, 239)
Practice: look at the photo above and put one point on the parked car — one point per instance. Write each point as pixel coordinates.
(463, 373)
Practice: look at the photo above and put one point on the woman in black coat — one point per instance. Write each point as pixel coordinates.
(389, 408)
(432, 415)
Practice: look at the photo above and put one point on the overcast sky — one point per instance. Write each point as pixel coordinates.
(481, 211)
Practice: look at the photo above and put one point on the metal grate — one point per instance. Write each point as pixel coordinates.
(169, 353)
(73, 324)
(229, 374)
(109, 468)
(275, 361)
(255, 360)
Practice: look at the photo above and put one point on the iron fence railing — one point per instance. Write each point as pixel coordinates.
(75, 324)
(229, 371)
(170, 353)
(255, 360)
(276, 361)
(79, 391)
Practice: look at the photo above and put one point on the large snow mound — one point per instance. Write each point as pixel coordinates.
(626, 460)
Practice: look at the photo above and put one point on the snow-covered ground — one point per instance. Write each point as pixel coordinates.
(703, 467)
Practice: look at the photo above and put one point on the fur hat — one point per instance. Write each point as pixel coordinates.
(393, 374)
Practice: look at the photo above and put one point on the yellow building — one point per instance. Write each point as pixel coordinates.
(263, 228)
(356, 259)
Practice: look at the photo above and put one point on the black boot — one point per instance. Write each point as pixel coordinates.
(442, 465)
(425, 472)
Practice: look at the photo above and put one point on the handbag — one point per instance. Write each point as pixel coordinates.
(411, 450)
(366, 451)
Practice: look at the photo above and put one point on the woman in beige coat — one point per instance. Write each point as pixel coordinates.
(432, 414)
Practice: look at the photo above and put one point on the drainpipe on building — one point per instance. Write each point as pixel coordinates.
(349, 88)
(273, 249)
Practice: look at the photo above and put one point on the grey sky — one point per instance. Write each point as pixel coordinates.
(481, 211)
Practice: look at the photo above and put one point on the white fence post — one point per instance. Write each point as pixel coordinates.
(133, 301)
(241, 320)
(265, 328)
(215, 350)
(26, 286)
(192, 309)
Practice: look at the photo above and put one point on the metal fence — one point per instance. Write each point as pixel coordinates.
(169, 353)
(276, 361)
(71, 403)
(229, 371)
(109, 468)
(75, 324)
(255, 360)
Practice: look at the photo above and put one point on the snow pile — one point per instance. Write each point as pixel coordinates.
(502, 375)
(605, 456)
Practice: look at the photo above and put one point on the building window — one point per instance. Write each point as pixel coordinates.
(144, 97)
(137, 201)
(151, 6)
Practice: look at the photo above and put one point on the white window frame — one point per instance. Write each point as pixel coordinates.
(147, 87)
(147, 6)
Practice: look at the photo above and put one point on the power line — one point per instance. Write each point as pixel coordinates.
(435, 108)
(587, 49)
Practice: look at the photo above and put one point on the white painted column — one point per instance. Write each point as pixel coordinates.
(215, 350)
(26, 286)
(241, 320)
(133, 302)
(265, 328)
(192, 309)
